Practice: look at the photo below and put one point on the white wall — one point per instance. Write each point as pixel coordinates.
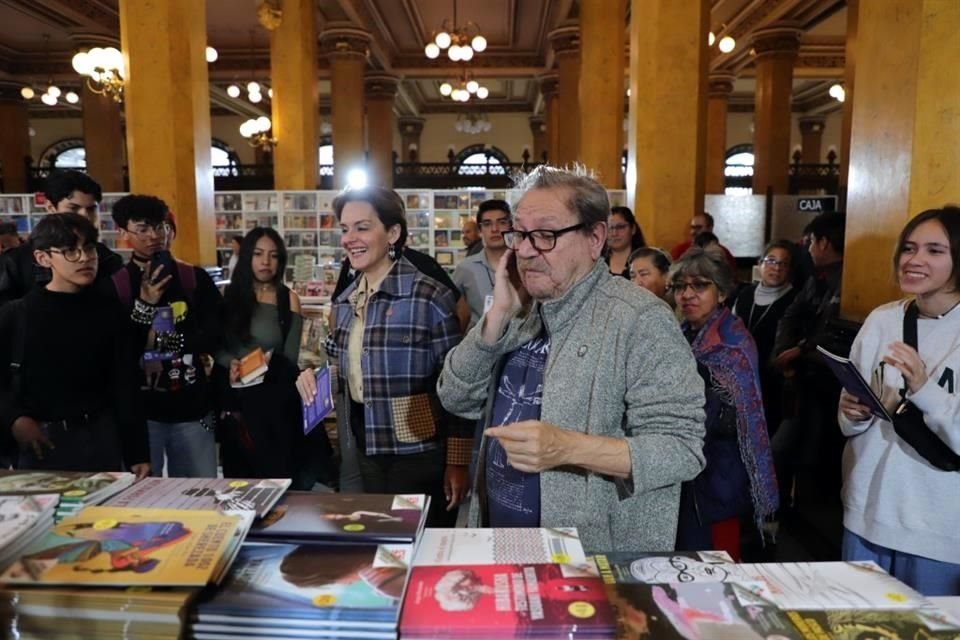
(510, 133)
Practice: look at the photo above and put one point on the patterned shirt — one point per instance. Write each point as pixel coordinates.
(410, 326)
(514, 496)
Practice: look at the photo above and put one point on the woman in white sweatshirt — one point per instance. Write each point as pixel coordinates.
(899, 510)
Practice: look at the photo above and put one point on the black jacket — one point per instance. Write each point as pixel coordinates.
(804, 323)
(19, 274)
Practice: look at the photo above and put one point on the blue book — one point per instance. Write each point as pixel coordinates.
(851, 380)
(322, 405)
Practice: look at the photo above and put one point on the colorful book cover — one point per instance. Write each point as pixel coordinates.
(72, 485)
(668, 567)
(116, 546)
(696, 611)
(336, 583)
(499, 546)
(505, 600)
(207, 494)
(322, 405)
(18, 514)
(343, 517)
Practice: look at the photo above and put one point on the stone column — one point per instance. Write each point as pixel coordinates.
(346, 48)
(904, 156)
(14, 138)
(850, 64)
(668, 116)
(167, 105)
(410, 130)
(538, 128)
(776, 53)
(602, 28)
(549, 85)
(380, 90)
(295, 102)
(566, 43)
(718, 97)
(811, 137)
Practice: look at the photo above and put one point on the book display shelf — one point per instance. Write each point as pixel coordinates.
(306, 222)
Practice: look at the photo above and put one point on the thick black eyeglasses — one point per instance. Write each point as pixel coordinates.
(73, 254)
(698, 286)
(543, 240)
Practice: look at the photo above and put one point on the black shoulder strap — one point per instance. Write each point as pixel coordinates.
(910, 315)
(283, 310)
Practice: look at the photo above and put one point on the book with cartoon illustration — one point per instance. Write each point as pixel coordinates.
(212, 494)
(668, 567)
(312, 585)
(499, 546)
(86, 486)
(506, 600)
(129, 546)
(310, 516)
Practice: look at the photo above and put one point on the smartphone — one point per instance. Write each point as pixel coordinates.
(162, 258)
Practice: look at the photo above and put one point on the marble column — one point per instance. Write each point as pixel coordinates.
(566, 44)
(380, 91)
(718, 97)
(346, 48)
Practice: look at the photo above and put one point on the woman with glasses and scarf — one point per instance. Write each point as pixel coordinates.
(624, 237)
(760, 306)
(739, 478)
(393, 326)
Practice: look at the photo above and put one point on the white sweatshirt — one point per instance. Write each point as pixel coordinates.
(891, 495)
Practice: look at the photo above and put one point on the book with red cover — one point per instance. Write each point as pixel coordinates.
(506, 600)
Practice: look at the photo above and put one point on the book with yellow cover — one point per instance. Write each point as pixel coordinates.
(121, 547)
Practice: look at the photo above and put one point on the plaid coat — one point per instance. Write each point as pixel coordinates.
(411, 324)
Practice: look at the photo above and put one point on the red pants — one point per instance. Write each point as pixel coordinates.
(726, 537)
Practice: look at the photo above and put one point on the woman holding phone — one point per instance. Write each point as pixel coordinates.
(898, 508)
(393, 326)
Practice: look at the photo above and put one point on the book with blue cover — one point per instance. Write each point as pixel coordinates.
(311, 585)
(851, 380)
(322, 405)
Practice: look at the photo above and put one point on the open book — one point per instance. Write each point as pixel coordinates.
(851, 380)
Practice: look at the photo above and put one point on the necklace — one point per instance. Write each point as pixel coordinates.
(932, 317)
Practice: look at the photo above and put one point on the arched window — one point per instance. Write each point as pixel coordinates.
(479, 160)
(325, 159)
(65, 154)
(738, 170)
(222, 154)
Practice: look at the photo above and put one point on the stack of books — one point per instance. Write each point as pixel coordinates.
(504, 583)
(23, 519)
(227, 495)
(78, 489)
(705, 595)
(336, 565)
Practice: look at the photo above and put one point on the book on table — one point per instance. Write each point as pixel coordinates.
(310, 516)
(506, 600)
(118, 546)
(283, 587)
(499, 546)
(206, 494)
(850, 379)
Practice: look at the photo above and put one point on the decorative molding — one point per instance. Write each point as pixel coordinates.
(410, 126)
(774, 41)
(488, 107)
(382, 85)
(565, 40)
(549, 85)
(720, 85)
(420, 63)
(345, 41)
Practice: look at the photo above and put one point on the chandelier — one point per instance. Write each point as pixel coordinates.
(254, 88)
(464, 89)
(104, 69)
(460, 42)
(53, 92)
(258, 134)
(472, 123)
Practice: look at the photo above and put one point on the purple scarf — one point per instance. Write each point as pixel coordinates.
(725, 347)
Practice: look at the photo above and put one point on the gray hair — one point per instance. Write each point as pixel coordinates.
(709, 264)
(587, 197)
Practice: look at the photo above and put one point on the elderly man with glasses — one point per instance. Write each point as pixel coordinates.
(591, 406)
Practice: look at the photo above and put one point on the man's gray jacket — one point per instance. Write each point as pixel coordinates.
(618, 366)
